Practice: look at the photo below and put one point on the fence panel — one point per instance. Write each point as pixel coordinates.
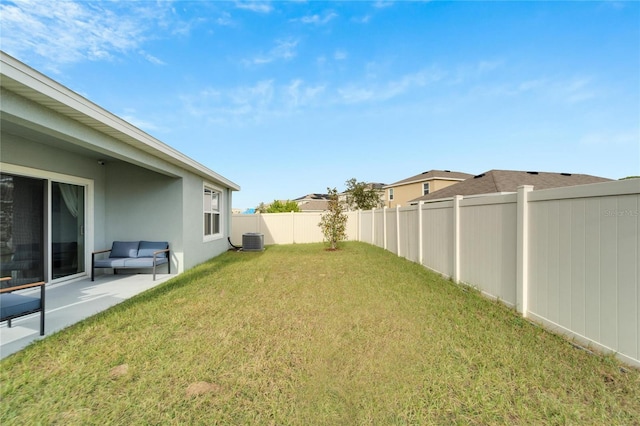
(391, 238)
(488, 245)
(305, 228)
(378, 227)
(366, 226)
(437, 237)
(584, 267)
(352, 225)
(409, 235)
(244, 223)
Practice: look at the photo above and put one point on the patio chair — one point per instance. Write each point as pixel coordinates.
(14, 305)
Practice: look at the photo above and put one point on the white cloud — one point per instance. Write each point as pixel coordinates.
(299, 95)
(340, 55)
(362, 20)
(317, 19)
(283, 49)
(252, 103)
(553, 89)
(255, 6)
(375, 92)
(576, 90)
(353, 94)
(151, 58)
(225, 20)
(65, 31)
(380, 4)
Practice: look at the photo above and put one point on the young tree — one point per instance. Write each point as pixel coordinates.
(261, 208)
(280, 207)
(361, 195)
(334, 221)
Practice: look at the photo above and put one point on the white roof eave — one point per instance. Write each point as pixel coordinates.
(35, 86)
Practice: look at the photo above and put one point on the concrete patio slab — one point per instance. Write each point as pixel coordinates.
(69, 302)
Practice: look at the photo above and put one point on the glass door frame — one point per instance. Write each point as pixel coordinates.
(88, 185)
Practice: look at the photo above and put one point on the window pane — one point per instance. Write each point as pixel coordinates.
(207, 200)
(207, 224)
(216, 223)
(214, 201)
(22, 213)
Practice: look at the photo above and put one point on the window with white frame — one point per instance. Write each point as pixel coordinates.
(211, 211)
(425, 188)
(390, 194)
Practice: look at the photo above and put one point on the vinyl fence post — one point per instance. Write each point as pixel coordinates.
(398, 230)
(522, 250)
(373, 226)
(384, 227)
(456, 238)
(420, 254)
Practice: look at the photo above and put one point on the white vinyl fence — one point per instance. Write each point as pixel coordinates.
(568, 258)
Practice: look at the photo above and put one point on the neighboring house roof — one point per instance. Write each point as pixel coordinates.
(314, 196)
(23, 80)
(499, 181)
(431, 175)
(314, 206)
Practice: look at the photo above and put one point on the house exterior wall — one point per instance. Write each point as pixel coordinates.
(143, 205)
(25, 157)
(196, 249)
(402, 194)
(134, 195)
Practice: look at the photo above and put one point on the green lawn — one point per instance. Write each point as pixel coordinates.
(300, 335)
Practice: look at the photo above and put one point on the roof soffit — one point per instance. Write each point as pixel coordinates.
(30, 84)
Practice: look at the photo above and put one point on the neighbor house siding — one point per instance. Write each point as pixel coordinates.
(402, 194)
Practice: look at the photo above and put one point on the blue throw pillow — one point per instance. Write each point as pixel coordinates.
(147, 248)
(124, 249)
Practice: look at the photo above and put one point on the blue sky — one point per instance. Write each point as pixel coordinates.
(289, 98)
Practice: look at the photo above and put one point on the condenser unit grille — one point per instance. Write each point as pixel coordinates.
(252, 242)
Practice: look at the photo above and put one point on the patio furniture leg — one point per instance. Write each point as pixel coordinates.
(42, 311)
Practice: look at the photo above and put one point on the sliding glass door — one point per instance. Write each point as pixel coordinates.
(67, 229)
(22, 213)
(42, 229)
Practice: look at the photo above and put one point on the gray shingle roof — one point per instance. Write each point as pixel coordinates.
(432, 174)
(495, 181)
(315, 205)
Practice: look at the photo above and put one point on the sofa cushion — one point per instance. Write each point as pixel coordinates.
(143, 262)
(124, 249)
(147, 248)
(112, 262)
(15, 304)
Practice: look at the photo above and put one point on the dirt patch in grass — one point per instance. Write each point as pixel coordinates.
(119, 371)
(200, 388)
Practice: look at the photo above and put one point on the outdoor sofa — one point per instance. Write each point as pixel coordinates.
(132, 255)
(14, 305)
